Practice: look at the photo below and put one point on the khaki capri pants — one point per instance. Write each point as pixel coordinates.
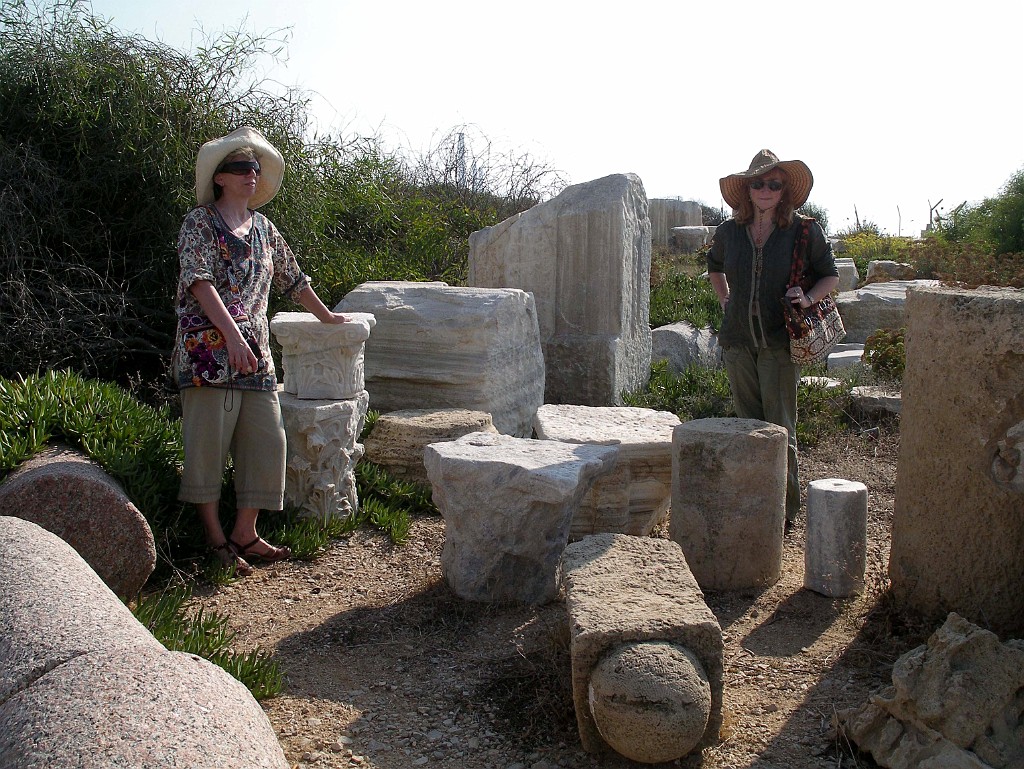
(248, 425)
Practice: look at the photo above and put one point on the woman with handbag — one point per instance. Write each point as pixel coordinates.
(750, 265)
(230, 256)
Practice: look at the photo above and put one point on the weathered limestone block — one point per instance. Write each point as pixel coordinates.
(690, 239)
(835, 554)
(323, 450)
(53, 607)
(879, 305)
(954, 702)
(681, 344)
(960, 466)
(322, 360)
(848, 275)
(729, 499)
(845, 356)
(83, 684)
(586, 258)
(874, 402)
(507, 504)
(399, 438)
(644, 438)
(68, 494)
(669, 213)
(884, 270)
(634, 600)
(436, 346)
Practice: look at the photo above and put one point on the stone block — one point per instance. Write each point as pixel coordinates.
(322, 361)
(884, 270)
(849, 357)
(669, 213)
(879, 305)
(437, 346)
(729, 499)
(681, 344)
(323, 450)
(835, 554)
(958, 520)
(635, 601)
(399, 437)
(585, 256)
(849, 277)
(68, 494)
(507, 504)
(689, 239)
(644, 438)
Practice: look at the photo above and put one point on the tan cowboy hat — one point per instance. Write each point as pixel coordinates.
(798, 178)
(212, 154)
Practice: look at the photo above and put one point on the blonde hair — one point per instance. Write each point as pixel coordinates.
(784, 211)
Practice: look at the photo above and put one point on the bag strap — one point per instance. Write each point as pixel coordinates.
(799, 250)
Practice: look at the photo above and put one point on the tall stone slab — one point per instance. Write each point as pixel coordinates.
(667, 213)
(958, 525)
(586, 258)
(437, 346)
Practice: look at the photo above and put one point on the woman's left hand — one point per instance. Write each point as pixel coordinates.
(336, 317)
(797, 296)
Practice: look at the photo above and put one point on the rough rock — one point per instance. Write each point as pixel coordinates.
(644, 439)
(874, 401)
(960, 465)
(399, 437)
(689, 239)
(437, 346)
(622, 590)
(845, 356)
(651, 701)
(585, 256)
(507, 504)
(322, 360)
(668, 213)
(848, 275)
(879, 305)
(681, 344)
(68, 494)
(729, 499)
(954, 702)
(884, 270)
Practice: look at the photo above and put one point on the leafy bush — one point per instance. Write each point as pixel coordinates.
(679, 296)
(885, 354)
(966, 264)
(817, 213)
(206, 635)
(698, 392)
(866, 246)
(995, 225)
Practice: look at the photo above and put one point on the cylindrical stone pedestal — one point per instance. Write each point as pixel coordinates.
(729, 500)
(837, 533)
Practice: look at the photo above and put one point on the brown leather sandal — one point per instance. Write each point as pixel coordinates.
(270, 555)
(228, 556)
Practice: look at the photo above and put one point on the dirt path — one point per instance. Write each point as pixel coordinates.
(386, 668)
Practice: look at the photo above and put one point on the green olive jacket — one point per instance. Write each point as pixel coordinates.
(754, 315)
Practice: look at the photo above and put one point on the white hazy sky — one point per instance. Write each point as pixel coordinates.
(894, 105)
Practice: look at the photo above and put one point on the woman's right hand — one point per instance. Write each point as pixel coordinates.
(240, 355)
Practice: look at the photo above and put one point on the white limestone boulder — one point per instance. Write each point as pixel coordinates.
(437, 346)
(875, 306)
(681, 344)
(644, 438)
(507, 504)
(689, 239)
(585, 256)
(884, 270)
(849, 277)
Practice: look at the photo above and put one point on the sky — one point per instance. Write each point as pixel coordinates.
(896, 105)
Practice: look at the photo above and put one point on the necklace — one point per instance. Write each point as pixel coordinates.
(762, 231)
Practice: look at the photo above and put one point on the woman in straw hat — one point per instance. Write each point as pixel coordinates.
(749, 266)
(230, 256)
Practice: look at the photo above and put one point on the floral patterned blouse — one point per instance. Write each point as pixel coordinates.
(242, 270)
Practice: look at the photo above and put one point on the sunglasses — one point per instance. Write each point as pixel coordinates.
(774, 185)
(240, 167)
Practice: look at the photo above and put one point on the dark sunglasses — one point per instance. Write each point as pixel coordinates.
(240, 167)
(774, 185)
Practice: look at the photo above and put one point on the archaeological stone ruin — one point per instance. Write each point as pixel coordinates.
(585, 257)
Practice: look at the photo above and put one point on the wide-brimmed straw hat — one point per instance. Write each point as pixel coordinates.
(212, 154)
(798, 179)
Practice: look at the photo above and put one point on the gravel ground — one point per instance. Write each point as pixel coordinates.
(386, 668)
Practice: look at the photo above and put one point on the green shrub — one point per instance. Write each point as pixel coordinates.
(885, 354)
(680, 296)
(866, 246)
(698, 392)
(995, 225)
(206, 635)
(966, 264)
